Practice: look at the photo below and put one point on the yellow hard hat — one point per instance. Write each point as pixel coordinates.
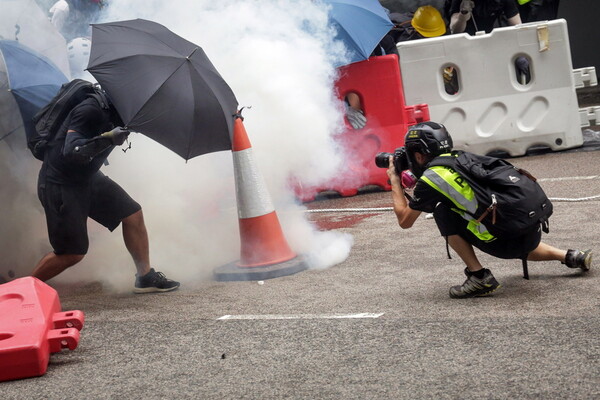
(428, 22)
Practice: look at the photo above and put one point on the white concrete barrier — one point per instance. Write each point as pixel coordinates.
(494, 109)
(585, 77)
(590, 116)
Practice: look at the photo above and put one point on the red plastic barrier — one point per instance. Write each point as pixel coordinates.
(32, 326)
(378, 83)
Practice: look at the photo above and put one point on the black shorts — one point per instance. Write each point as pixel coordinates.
(451, 223)
(68, 207)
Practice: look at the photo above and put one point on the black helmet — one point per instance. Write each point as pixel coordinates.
(428, 138)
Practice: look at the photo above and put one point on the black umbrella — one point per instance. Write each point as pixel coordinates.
(163, 86)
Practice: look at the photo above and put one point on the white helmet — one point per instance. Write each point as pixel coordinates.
(78, 51)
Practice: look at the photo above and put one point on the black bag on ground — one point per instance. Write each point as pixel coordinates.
(50, 118)
(510, 201)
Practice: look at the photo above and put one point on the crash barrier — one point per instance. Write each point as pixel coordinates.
(265, 253)
(378, 84)
(496, 107)
(590, 116)
(585, 77)
(32, 326)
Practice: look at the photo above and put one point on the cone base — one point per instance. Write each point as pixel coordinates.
(233, 272)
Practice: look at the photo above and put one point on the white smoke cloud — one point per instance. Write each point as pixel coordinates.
(23, 236)
(273, 55)
(278, 58)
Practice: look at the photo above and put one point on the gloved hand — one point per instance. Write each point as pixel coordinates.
(466, 7)
(117, 136)
(450, 80)
(356, 118)
(523, 71)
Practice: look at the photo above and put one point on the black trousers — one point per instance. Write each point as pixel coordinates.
(451, 223)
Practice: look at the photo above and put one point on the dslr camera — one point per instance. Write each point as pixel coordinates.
(400, 160)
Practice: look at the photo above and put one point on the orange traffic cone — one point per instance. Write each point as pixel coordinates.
(265, 253)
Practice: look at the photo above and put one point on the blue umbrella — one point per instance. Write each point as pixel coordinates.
(360, 24)
(32, 79)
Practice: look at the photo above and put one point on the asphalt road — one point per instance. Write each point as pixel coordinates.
(292, 337)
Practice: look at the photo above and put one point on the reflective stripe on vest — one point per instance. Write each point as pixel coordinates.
(450, 184)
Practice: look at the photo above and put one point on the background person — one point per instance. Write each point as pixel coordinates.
(425, 22)
(72, 18)
(538, 10)
(471, 16)
(71, 188)
(354, 111)
(436, 192)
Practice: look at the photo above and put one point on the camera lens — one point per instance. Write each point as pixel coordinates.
(382, 160)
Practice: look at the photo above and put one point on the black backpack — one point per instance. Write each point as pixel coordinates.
(510, 201)
(50, 118)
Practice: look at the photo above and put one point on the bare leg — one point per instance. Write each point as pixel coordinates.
(53, 264)
(353, 100)
(136, 241)
(545, 252)
(465, 252)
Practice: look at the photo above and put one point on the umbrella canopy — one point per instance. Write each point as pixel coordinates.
(32, 79)
(360, 25)
(163, 86)
(26, 22)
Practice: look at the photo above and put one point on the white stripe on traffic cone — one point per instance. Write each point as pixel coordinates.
(262, 240)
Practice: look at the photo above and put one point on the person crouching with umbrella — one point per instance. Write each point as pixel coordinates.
(71, 188)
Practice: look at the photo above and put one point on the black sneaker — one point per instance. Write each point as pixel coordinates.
(154, 282)
(579, 259)
(475, 287)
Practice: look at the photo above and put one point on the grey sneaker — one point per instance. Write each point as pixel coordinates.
(154, 281)
(579, 259)
(475, 287)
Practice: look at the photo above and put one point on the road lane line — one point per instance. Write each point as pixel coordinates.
(300, 316)
(569, 178)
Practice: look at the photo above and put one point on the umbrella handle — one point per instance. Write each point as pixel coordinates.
(239, 113)
(128, 146)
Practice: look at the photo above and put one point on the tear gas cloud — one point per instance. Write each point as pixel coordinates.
(23, 238)
(278, 58)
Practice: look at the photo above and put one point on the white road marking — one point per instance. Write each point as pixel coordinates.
(569, 178)
(301, 316)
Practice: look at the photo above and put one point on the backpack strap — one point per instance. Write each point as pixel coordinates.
(527, 174)
(491, 209)
(101, 98)
(448, 160)
(525, 269)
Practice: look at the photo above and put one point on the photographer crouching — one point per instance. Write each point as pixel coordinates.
(463, 213)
